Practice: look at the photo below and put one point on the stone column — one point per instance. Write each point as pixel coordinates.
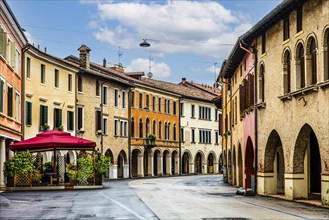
(204, 168)
(150, 165)
(168, 165)
(2, 160)
(176, 171)
(126, 171)
(191, 168)
(140, 170)
(11, 153)
(215, 167)
(113, 171)
(160, 165)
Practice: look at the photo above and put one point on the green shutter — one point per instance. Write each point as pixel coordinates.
(10, 102)
(1, 95)
(28, 113)
(12, 54)
(45, 115)
(2, 42)
(59, 117)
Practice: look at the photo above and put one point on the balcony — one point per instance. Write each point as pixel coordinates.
(149, 142)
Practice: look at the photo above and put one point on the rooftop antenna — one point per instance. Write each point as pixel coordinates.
(215, 71)
(120, 53)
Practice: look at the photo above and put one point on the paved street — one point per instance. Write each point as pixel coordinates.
(186, 197)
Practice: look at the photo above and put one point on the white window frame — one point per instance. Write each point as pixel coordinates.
(105, 95)
(105, 125)
(3, 93)
(123, 99)
(17, 105)
(116, 97)
(83, 118)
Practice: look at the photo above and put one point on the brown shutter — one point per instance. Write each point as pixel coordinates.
(242, 98)
(221, 124)
(251, 90)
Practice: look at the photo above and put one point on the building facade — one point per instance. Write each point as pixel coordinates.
(154, 112)
(102, 110)
(12, 42)
(49, 96)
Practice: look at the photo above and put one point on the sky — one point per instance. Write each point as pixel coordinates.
(188, 39)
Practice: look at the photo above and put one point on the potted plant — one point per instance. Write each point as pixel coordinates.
(101, 165)
(85, 169)
(48, 169)
(72, 173)
(9, 172)
(46, 127)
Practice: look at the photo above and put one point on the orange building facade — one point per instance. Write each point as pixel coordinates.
(154, 133)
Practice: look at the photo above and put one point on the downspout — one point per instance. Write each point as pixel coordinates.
(129, 129)
(25, 48)
(179, 137)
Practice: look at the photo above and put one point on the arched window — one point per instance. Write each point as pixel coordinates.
(287, 72)
(140, 128)
(154, 127)
(261, 80)
(147, 127)
(300, 66)
(160, 130)
(326, 55)
(168, 132)
(313, 76)
(174, 132)
(132, 124)
(166, 135)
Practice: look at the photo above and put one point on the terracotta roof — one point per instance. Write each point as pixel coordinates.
(134, 73)
(207, 88)
(185, 91)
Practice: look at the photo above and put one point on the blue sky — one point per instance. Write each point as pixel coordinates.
(188, 38)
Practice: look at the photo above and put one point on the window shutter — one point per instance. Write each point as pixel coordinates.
(242, 97)
(251, 90)
(45, 114)
(10, 102)
(220, 124)
(12, 54)
(28, 113)
(3, 42)
(59, 117)
(1, 95)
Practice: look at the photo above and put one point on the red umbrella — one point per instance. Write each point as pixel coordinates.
(53, 140)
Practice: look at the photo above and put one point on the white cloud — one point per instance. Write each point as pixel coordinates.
(175, 26)
(159, 70)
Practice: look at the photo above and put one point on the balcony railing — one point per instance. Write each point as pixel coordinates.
(149, 143)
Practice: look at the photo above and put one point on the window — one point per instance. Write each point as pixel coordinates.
(132, 124)
(80, 88)
(287, 72)
(181, 109)
(70, 120)
(56, 78)
(43, 115)
(174, 108)
(286, 33)
(205, 136)
(18, 104)
(105, 95)
(2, 94)
(80, 118)
(123, 99)
(159, 105)
(216, 114)
(147, 101)
(116, 97)
(57, 118)
(125, 128)
(153, 103)
(121, 128)
(132, 99)
(3, 40)
(154, 127)
(17, 61)
(204, 113)
(43, 74)
(300, 66)
(165, 106)
(11, 53)
(147, 127)
(299, 12)
(69, 83)
(28, 113)
(193, 111)
(263, 48)
(160, 130)
(105, 125)
(140, 128)
(116, 124)
(140, 100)
(216, 137)
(174, 131)
(28, 68)
(313, 61)
(182, 134)
(97, 88)
(10, 101)
(168, 107)
(261, 86)
(326, 56)
(98, 120)
(193, 135)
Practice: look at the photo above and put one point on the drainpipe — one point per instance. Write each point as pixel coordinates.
(179, 138)
(25, 48)
(129, 128)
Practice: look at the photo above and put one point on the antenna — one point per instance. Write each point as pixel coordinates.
(215, 71)
(120, 53)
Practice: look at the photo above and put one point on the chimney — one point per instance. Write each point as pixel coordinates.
(45, 49)
(184, 81)
(84, 56)
(104, 62)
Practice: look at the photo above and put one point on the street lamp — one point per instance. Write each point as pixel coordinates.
(145, 43)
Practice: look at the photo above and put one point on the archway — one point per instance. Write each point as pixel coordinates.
(210, 162)
(229, 166)
(198, 163)
(220, 163)
(156, 154)
(122, 160)
(240, 166)
(274, 162)
(307, 149)
(186, 163)
(134, 163)
(249, 164)
(234, 172)
(109, 154)
(174, 163)
(146, 163)
(166, 163)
